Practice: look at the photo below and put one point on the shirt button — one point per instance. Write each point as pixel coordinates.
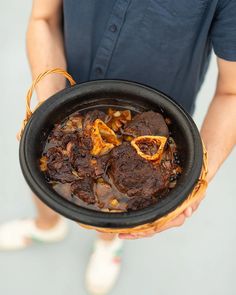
(113, 28)
(98, 71)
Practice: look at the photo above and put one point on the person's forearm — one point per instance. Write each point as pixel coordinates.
(46, 51)
(219, 131)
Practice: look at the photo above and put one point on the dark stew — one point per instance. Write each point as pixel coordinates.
(111, 161)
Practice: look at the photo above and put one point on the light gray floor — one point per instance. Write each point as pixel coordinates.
(198, 258)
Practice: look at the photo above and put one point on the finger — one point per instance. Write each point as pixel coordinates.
(176, 222)
(124, 237)
(128, 236)
(138, 235)
(135, 236)
(195, 206)
(188, 212)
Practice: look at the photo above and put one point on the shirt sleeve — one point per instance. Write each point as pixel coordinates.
(223, 30)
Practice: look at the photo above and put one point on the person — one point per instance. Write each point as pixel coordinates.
(163, 44)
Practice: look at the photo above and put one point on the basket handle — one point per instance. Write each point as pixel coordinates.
(29, 112)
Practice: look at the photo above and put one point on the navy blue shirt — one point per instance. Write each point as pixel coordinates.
(165, 44)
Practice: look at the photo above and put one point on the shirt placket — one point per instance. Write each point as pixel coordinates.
(109, 39)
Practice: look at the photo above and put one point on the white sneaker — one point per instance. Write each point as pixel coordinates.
(104, 266)
(19, 234)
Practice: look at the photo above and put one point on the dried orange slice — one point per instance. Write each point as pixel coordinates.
(103, 138)
(149, 147)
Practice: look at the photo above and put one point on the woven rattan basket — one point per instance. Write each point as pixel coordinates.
(196, 194)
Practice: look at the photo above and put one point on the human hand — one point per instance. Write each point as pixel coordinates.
(176, 222)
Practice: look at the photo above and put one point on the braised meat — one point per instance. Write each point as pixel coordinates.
(134, 175)
(83, 189)
(91, 117)
(59, 167)
(147, 123)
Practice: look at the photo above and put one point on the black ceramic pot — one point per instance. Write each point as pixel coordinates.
(101, 95)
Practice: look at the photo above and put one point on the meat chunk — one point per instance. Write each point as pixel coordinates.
(58, 167)
(69, 137)
(134, 175)
(147, 123)
(83, 189)
(86, 164)
(73, 160)
(73, 123)
(91, 117)
(100, 165)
